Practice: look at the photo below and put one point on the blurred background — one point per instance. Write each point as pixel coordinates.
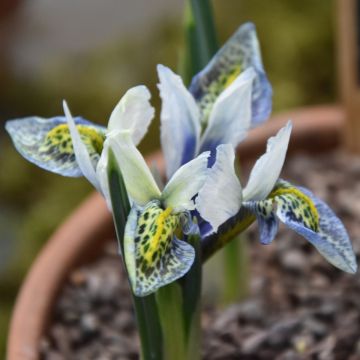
(89, 52)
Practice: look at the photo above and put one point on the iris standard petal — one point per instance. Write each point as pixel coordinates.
(154, 257)
(240, 52)
(180, 121)
(133, 113)
(220, 197)
(102, 175)
(138, 179)
(185, 184)
(267, 168)
(47, 142)
(230, 117)
(81, 150)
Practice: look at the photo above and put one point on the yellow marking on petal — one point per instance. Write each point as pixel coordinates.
(303, 198)
(211, 92)
(232, 76)
(162, 223)
(60, 135)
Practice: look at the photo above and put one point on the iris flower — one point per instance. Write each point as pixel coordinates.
(74, 146)
(271, 199)
(230, 95)
(153, 253)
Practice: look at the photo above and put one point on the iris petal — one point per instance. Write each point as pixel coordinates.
(186, 183)
(310, 217)
(47, 142)
(230, 118)
(133, 113)
(154, 256)
(267, 221)
(331, 239)
(267, 168)
(220, 197)
(139, 182)
(84, 155)
(239, 53)
(180, 122)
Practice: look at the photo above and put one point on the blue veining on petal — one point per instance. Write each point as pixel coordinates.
(261, 98)
(29, 137)
(189, 149)
(267, 222)
(332, 240)
(241, 51)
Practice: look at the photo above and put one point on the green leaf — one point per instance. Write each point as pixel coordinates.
(200, 37)
(145, 307)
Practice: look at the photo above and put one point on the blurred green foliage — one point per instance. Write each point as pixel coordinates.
(297, 41)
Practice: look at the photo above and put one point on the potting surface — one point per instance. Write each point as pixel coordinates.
(299, 306)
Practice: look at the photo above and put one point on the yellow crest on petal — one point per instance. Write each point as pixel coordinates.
(294, 203)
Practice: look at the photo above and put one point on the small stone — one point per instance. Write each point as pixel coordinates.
(252, 344)
(281, 333)
(294, 260)
(315, 327)
(89, 324)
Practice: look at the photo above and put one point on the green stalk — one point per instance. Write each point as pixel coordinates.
(235, 257)
(236, 283)
(191, 290)
(179, 305)
(145, 308)
(169, 301)
(200, 37)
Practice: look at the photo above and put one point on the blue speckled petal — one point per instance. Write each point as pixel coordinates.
(154, 257)
(239, 53)
(310, 217)
(331, 239)
(267, 221)
(47, 142)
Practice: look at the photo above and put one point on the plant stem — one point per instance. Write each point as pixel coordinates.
(200, 37)
(191, 289)
(179, 308)
(169, 301)
(236, 285)
(145, 308)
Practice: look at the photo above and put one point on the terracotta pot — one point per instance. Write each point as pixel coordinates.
(83, 234)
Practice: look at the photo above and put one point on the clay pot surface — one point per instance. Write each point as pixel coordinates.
(83, 234)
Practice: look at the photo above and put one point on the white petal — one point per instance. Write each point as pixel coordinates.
(180, 121)
(220, 197)
(133, 113)
(186, 183)
(230, 117)
(102, 176)
(138, 179)
(267, 168)
(82, 156)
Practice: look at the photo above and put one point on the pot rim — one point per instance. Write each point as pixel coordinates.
(82, 234)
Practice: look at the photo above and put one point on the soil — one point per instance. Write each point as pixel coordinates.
(299, 306)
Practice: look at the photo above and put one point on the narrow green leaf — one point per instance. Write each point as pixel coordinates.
(200, 37)
(191, 293)
(169, 301)
(145, 308)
